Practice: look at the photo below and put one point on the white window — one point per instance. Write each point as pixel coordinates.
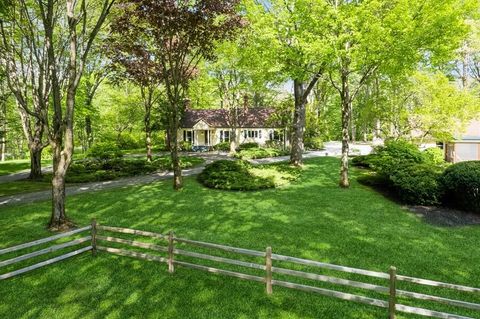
(187, 136)
(252, 133)
(224, 136)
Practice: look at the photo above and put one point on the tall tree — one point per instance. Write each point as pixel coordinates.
(290, 34)
(23, 55)
(96, 71)
(57, 37)
(172, 37)
(369, 37)
(79, 30)
(142, 71)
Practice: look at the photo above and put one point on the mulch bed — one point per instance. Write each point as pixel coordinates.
(446, 217)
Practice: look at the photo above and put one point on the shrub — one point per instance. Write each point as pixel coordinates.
(243, 176)
(417, 184)
(434, 155)
(275, 144)
(246, 146)
(104, 151)
(314, 143)
(395, 153)
(185, 146)
(461, 186)
(364, 161)
(129, 142)
(224, 146)
(233, 175)
(256, 153)
(372, 180)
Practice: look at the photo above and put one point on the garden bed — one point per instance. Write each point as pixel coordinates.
(93, 170)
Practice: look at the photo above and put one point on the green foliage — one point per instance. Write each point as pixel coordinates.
(364, 161)
(246, 146)
(258, 152)
(224, 146)
(93, 170)
(357, 227)
(242, 176)
(417, 184)
(434, 155)
(128, 141)
(104, 151)
(461, 185)
(400, 166)
(185, 146)
(314, 143)
(387, 158)
(372, 179)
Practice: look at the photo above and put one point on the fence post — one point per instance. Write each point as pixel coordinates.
(171, 268)
(268, 268)
(94, 237)
(392, 300)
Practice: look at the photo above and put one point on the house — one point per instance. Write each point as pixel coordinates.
(466, 147)
(207, 128)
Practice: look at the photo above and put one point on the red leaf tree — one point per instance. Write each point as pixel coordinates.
(166, 39)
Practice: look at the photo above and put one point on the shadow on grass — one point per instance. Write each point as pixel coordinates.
(311, 218)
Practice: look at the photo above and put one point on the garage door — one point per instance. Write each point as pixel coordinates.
(466, 152)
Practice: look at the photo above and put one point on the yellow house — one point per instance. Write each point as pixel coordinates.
(209, 127)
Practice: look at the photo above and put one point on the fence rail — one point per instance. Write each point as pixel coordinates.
(44, 251)
(390, 290)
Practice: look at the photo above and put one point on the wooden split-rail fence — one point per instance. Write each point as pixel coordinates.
(97, 240)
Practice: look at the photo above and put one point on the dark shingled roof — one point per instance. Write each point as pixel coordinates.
(215, 118)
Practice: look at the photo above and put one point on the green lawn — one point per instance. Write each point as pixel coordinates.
(13, 166)
(24, 186)
(92, 175)
(311, 218)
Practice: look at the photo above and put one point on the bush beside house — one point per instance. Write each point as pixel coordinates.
(461, 185)
(422, 178)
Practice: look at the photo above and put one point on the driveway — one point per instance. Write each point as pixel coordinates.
(332, 149)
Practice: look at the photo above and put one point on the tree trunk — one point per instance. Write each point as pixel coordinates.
(296, 156)
(35, 162)
(4, 148)
(61, 162)
(345, 100)
(88, 131)
(148, 137)
(148, 140)
(174, 148)
(58, 219)
(233, 141)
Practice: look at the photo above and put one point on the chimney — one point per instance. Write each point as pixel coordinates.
(187, 104)
(245, 102)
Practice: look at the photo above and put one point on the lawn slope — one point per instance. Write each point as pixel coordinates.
(311, 218)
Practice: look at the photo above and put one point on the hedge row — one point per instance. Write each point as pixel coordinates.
(423, 178)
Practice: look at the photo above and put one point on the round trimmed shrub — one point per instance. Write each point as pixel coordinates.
(461, 185)
(233, 175)
(224, 146)
(417, 184)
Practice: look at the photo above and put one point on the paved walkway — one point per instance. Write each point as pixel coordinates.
(331, 150)
(96, 186)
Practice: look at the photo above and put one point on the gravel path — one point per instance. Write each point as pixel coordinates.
(129, 181)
